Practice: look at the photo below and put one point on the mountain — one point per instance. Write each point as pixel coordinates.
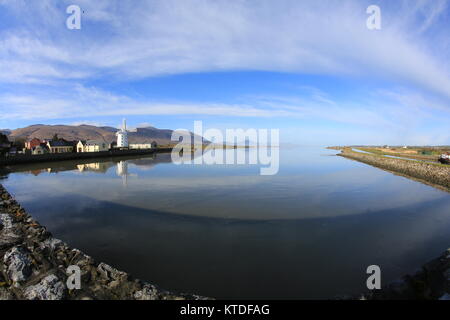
(5, 131)
(88, 132)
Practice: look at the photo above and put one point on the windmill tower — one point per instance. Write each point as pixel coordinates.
(122, 136)
(122, 171)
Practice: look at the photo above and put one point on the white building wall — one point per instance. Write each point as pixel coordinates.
(122, 136)
(140, 146)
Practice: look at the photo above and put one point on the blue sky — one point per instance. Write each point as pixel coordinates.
(309, 68)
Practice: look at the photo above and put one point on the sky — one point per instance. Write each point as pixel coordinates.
(310, 68)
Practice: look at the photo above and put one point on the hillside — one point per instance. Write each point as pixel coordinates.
(87, 132)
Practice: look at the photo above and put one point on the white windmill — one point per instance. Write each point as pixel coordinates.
(122, 136)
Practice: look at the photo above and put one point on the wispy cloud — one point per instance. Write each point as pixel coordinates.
(151, 38)
(94, 102)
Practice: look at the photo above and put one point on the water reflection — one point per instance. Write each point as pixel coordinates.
(311, 186)
(227, 232)
(95, 167)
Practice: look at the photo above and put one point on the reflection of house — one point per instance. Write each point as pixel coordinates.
(40, 149)
(59, 146)
(140, 146)
(92, 146)
(37, 172)
(96, 166)
(30, 144)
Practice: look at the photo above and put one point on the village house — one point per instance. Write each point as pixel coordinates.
(92, 146)
(140, 146)
(152, 145)
(30, 144)
(59, 146)
(40, 149)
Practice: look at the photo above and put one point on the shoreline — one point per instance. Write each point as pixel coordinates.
(54, 157)
(33, 265)
(430, 282)
(435, 175)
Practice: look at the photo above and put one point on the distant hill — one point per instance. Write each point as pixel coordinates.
(5, 131)
(88, 132)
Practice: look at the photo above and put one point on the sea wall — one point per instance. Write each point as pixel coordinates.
(34, 265)
(433, 174)
(50, 157)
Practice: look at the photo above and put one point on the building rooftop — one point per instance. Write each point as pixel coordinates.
(60, 144)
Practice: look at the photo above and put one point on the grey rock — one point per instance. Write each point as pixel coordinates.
(51, 243)
(50, 288)
(111, 273)
(9, 239)
(5, 294)
(80, 258)
(148, 292)
(18, 264)
(6, 221)
(9, 235)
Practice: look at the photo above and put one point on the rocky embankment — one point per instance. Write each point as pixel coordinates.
(34, 265)
(432, 174)
(431, 282)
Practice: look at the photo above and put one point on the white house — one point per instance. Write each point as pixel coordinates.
(40, 149)
(92, 146)
(140, 146)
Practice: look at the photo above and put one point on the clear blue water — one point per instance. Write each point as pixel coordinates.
(224, 231)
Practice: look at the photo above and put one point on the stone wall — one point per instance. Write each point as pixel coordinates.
(434, 174)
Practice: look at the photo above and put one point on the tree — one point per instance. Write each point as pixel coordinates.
(4, 144)
(19, 143)
(55, 137)
(3, 138)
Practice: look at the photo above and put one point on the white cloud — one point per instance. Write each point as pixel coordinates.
(91, 102)
(133, 40)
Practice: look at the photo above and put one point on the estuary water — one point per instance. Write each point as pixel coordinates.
(225, 231)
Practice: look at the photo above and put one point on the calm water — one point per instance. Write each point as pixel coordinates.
(227, 232)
